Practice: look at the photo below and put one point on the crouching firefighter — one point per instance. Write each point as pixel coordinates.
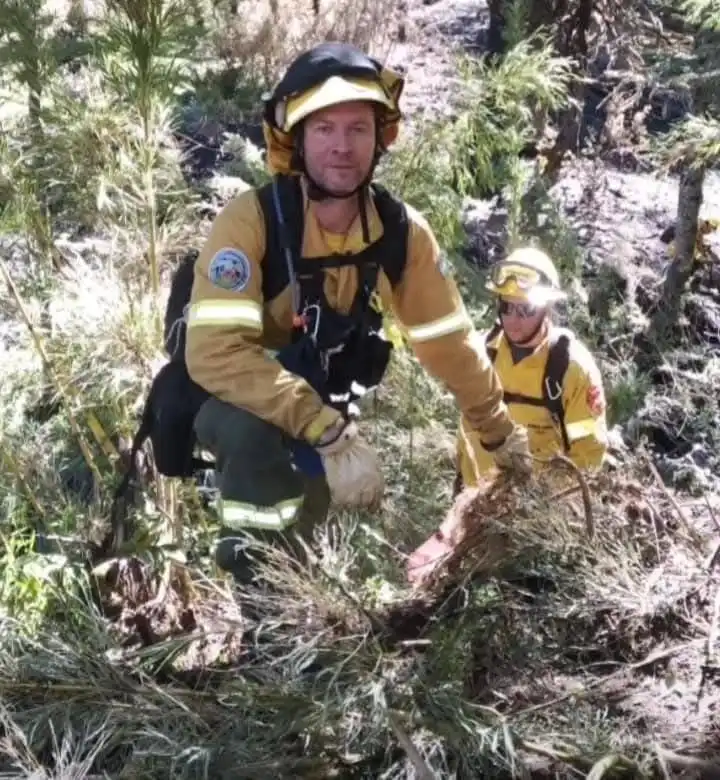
(550, 380)
(284, 329)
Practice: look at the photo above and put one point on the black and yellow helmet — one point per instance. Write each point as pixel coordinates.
(326, 75)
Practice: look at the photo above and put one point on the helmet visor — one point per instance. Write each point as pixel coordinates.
(337, 89)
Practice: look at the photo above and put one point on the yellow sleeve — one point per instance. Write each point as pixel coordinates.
(224, 351)
(430, 311)
(585, 409)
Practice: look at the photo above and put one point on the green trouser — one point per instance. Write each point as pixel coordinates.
(261, 493)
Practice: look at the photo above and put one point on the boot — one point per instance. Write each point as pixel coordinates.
(315, 506)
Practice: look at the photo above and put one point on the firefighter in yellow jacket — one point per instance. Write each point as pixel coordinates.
(284, 330)
(550, 380)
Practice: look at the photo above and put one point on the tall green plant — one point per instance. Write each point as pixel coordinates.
(32, 48)
(149, 50)
(420, 170)
(516, 15)
(26, 51)
(495, 118)
(499, 107)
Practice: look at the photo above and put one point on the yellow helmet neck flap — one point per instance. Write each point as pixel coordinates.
(326, 75)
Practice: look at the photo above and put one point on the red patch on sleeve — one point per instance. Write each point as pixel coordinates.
(595, 400)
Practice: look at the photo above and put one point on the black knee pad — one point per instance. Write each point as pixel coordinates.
(233, 433)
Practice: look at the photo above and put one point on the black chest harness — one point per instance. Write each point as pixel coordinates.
(341, 356)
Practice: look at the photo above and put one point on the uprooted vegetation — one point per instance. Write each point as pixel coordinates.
(579, 633)
(577, 651)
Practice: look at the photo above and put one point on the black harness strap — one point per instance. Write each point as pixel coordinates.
(492, 334)
(555, 369)
(284, 238)
(394, 241)
(388, 253)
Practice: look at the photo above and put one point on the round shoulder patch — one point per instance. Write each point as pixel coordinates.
(595, 399)
(230, 269)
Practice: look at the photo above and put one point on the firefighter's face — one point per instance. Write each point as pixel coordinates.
(339, 145)
(520, 319)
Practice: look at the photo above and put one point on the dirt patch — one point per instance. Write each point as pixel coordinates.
(611, 209)
(620, 219)
(146, 609)
(435, 31)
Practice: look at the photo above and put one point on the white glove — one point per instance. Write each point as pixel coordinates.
(352, 467)
(514, 453)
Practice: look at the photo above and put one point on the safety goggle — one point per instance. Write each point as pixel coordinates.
(522, 276)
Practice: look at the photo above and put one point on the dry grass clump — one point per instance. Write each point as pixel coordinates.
(508, 519)
(268, 35)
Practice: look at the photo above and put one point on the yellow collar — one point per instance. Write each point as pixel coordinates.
(319, 242)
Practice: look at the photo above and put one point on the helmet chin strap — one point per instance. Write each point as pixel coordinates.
(318, 193)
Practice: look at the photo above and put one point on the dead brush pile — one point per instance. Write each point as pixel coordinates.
(549, 651)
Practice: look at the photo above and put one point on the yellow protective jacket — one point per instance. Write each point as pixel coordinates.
(231, 330)
(583, 402)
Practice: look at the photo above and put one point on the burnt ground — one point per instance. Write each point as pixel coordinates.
(433, 31)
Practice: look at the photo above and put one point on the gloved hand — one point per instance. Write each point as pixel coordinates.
(514, 453)
(352, 467)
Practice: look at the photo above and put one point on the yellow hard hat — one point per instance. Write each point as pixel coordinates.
(336, 89)
(326, 75)
(528, 274)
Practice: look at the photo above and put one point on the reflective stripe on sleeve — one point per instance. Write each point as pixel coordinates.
(238, 515)
(459, 320)
(223, 312)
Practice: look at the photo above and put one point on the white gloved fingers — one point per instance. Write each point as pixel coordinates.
(354, 475)
(514, 452)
